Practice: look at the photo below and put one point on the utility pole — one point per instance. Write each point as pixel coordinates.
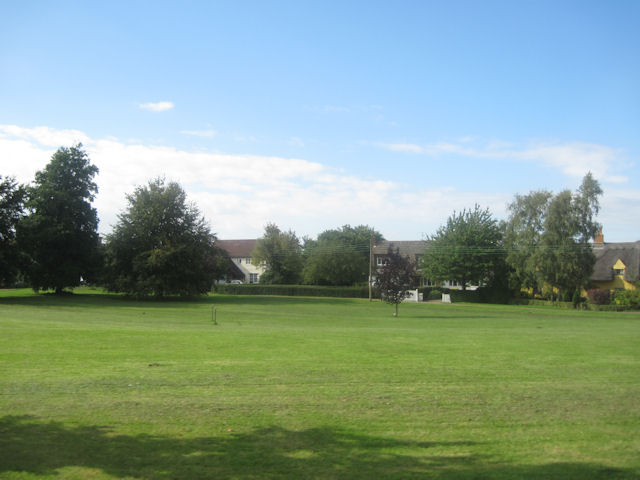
(370, 264)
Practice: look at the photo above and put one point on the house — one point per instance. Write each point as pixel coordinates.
(414, 249)
(617, 265)
(239, 252)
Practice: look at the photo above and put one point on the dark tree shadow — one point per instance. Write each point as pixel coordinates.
(31, 446)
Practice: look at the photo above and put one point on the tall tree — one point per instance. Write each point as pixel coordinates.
(60, 233)
(548, 238)
(281, 254)
(395, 277)
(340, 256)
(161, 245)
(467, 249)
(12, 197)
(523, 231)
(565, 258)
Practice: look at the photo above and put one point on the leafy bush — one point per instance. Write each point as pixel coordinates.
(434, 294)
(599, 296)
(627, 298)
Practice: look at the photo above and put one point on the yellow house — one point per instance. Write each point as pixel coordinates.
(617, 265)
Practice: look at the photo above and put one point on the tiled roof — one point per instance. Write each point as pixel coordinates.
(237, 248)
(609, 253)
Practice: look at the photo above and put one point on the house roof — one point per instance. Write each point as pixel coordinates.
(237, 248)
(609, 253)
(407, 248)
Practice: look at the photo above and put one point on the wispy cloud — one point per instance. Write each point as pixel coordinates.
(156, 107)
(574, 159)
(199, 133)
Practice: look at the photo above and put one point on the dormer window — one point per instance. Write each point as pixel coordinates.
(618, 271)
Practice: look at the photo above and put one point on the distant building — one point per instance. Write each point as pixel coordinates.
(239, 252)
(617, 265)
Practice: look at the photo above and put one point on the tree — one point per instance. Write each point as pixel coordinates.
(60, 233)
(468, 249)
(12, 198)
(548, 238)
(161, 245)
(395, 277)
(281, 254)
(340, 256)
(565, 258)
(523, 232)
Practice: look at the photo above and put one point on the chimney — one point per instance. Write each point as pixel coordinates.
(598, 240)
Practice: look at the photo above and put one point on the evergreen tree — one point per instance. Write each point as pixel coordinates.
(12, 197)
(60, 233)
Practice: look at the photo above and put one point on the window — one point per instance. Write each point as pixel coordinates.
(239, 260)
(429, 283)
(253, 278)
(247, 260)
(618, 271)
(380, 261)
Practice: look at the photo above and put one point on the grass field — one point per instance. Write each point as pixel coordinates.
(100, 387)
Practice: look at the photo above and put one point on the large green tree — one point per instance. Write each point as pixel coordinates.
(565, 259)
(161, 245)
(60, 232)
(281, 255)
(548, 239)
(523, 232)
(340, 256)
(395, 277)
(467, 249)
(12, 197)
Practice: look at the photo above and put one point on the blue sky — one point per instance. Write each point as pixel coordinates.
(317, 114)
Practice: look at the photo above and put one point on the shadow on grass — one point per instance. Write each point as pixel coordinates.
(30, 446)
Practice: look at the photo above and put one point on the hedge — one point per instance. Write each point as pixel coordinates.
(295, 290)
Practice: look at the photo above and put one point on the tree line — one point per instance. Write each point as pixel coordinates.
(162, 245)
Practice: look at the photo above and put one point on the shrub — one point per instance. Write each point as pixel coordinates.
(599, 296)
(627, 298)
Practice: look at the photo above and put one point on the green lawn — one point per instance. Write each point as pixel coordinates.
(97, 386)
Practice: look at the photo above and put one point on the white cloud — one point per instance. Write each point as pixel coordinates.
(156, 106)
(45, 136)
(239, 194)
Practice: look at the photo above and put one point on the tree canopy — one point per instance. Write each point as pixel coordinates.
(161, 245)
(60, 232)
(340, 256)
(468, 249)
(548, 238)
(395, 277)
(523, 232)
(281, 254)
(12, 197)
